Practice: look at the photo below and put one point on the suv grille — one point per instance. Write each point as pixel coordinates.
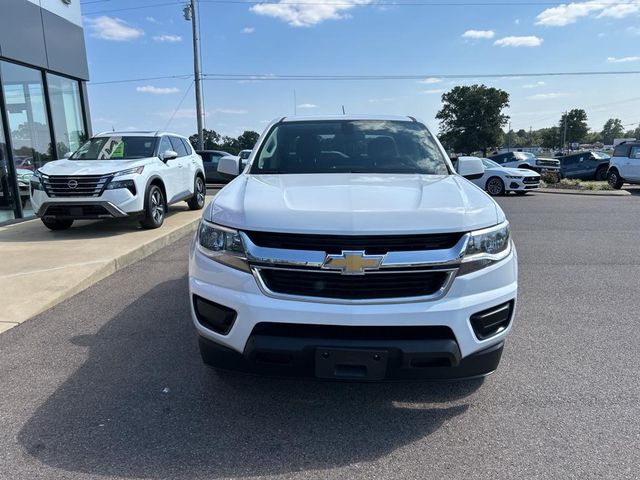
(531, 180)
(75, 186)
(549, 163)
(371, 244)
(353, 287)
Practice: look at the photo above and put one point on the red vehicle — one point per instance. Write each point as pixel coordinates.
(23, 162)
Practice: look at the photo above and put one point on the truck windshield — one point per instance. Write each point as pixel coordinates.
(116, 148)
(350, 146)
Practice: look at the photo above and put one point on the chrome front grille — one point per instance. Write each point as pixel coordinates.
(306, 273)
(76, 185)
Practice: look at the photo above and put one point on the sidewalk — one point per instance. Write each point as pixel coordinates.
(40, 268)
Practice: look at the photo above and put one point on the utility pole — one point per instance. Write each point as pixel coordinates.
(564, 137)
(509, 138)
(190, 15)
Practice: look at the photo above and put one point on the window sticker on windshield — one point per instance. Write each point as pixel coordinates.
(118, 151)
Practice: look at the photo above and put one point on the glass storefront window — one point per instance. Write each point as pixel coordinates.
(66, 113)
(7, 203)
(26, 110)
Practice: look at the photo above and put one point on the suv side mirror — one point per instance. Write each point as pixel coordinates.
(229, 166)
(169, 155)
(470, 168)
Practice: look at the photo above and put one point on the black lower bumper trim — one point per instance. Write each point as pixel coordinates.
(438, 359)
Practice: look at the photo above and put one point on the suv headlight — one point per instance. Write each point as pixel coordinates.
(129, 171)
(222, 244)
(486, 247)
(36, 180)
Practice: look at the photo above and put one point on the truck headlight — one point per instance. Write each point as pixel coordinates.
(223, 245)
(486, 247)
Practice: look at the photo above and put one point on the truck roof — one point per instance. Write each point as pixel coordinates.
(311, 118)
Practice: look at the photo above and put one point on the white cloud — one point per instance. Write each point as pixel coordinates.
(378, 100)
(529, 41)
(433, 91)
(248, 30)
(168, 38)
(634, 30)
(307, 105)
(152, 20)
(623, 59)
(517, 21)
(431, 80)
(230, 111)
(566, 14)
(306, 13)
(534, 85)
(157, 90)
(479, 34)
(547, 96)
(112, 28)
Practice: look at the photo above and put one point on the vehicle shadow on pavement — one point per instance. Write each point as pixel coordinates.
(143, 405)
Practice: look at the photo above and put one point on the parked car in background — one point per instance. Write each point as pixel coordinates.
(527, 160)
(117, 175)
(498, 180)
(23, 162)
(585, 166)
(624, 166)
(24, 180)
(210, 159)
(244, 157)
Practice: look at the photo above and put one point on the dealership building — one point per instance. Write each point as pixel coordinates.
(43, 97)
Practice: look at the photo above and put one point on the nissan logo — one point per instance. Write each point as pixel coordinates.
(72, 184)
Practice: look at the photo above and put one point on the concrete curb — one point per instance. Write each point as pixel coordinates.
(601, 193)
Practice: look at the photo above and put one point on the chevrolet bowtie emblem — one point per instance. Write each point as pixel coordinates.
(352, 263)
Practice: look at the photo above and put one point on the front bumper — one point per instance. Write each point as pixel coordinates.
(520, 186)
(239, 348)
(111, 204)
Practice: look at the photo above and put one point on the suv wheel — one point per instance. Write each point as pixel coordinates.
(613, 177)
(155, 207)
(495, 186)
(56, 224)
(601, 174)
(199, 191)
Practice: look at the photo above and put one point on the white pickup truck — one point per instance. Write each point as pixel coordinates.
(350, 249)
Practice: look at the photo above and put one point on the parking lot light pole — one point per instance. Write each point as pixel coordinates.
(190, 15)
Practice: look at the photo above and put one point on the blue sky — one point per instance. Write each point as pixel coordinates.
(357, 38)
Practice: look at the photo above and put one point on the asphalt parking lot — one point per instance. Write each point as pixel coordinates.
(109, 384)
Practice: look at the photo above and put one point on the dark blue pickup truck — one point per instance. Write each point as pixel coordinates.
(585, 166)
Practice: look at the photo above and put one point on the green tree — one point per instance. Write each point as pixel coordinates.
(211, 139)
(247, 140)
(633, 134)
(577, 128)
(612, 129)
(472, 118)
(549, 137)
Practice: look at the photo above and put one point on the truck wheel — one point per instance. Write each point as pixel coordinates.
(613, 177)
(57, 224)
(495, 186)
(155, 207)
(601, 174)
(199, 191)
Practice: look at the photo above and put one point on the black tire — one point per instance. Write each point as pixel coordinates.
(57, 224)
(200, 190)
(155, 208)
(495, 186)
(613, 177)
(601, 174)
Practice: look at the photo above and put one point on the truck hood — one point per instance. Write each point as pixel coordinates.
(90, 167)
(353, 204)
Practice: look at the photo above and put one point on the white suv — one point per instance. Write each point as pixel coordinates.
(119, 174)
(624, 165)
(350, 249)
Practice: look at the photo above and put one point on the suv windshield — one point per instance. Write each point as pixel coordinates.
(350, 146)
(116, 148)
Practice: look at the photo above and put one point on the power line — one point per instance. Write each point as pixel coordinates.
(179, 105)
(147, 79)
(343, 3)
(271, 77)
